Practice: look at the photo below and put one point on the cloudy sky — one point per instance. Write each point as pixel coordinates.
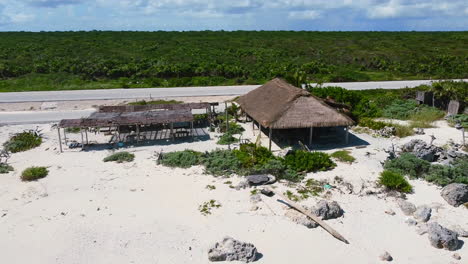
(151, 15)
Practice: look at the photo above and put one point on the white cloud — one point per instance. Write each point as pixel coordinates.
(307, 14)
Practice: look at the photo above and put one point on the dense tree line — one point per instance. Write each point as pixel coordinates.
(138, 59)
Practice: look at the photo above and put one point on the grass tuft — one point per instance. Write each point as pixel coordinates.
(23, 141)
(395, 181)
(343, 156)
(34, 173)
(120, 157)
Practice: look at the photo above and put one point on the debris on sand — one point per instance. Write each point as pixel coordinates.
(299, 218)
(406, 207)
(441, 237)
(328, 210)
(422, 213)
(260, 179)
(231, 249)
(456, 256)
(390, 212)
(386, 256)
(455, 194)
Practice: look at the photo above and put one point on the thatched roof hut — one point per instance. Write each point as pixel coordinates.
(280, 105)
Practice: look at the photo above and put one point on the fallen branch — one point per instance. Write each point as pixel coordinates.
(301, 209)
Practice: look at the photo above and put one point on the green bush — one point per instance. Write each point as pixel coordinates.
(155, 102)
(120, 157)
(226, 139)
(303, 161)
(23, 141)
(425, 115)
(343, 156)
(400, 109)
(250, 155)
(408, 164)
(402, 131)
(72, 130)
(221, 162)
(461, 118)
(395, 181)
(181, 159)
(5, 168)
(372, 124)
(234, 128)
(442, 175)
(34, 173)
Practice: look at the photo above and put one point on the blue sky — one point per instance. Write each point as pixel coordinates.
(152, 15)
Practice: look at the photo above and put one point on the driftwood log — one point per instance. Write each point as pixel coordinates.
(301, 209)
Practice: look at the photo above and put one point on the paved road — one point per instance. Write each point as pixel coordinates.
(37, 117)
(175, 92)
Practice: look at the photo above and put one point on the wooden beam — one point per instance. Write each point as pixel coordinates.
(59, 138)
(347, 135)
(138, 133)
(301, 209)
(172, 131)
(311, 133)
(82, 140)
(86, 133)
(64, 135)
(269, 136)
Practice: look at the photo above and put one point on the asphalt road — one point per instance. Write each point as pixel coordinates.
(146, 93)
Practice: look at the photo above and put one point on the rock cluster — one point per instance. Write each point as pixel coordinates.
(328, 210)
(441, 237)
(260, 179)
(406, 207)
(430, 152)
(422, 213)
(386, 132)
(231, 250)
(455, 194)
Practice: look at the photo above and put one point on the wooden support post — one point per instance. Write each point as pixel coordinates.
(138, 133)
(269, 136)
(86, 133)
(172, 131)
(259, 130)
(311, 134)
(64, 135)
(227, 121)
(82, 140)
(463, 136)
(191, 130)
(347, 135)
(60, 140)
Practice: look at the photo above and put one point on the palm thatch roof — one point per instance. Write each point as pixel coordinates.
(279, 105)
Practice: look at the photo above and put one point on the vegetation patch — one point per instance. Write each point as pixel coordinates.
(5, 168)
(221, 162)
(23, 141)
(210, 187)
(395, 181)
(234, 128)
(181, 159)
(34, 173)
(72, 130)
(227, 139)
(343, 156)
(155, 102)
(408, 164)
(461, 119)
(303, 161)
(206, 207)
(120, 157)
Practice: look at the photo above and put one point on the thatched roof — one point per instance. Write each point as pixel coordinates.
(279, 105)
(149, 107)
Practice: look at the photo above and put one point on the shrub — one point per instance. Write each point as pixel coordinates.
(461, 118)
(34, 173)
(400, 109)
(72, 130)
(221, 162)
(442, 175)
(5, 168)
(181, 159)
(250, 155)
(303, 161)
(372, 124)
(120, 157)
(234, 128)
(402, 131)
(408, 164)
(343, 156)
(394, 181)
(23, 141)
(425, 115)
(226, 139)
(155, 102)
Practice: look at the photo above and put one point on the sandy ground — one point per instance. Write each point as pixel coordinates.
(88, 211)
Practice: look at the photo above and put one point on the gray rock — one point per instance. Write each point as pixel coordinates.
(386, 256)
(386, 132)
(230, 250)
(422, 213)
(299, 218)
(242, 185)
(441, 237)
(406, 207)
(328, 210)
(411, 222)
(418, 131)
(256, 198)
(455, 194)
(260, 179)
(456, 256)
(422, 150)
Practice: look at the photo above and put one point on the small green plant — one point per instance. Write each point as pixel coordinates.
(155, 102)
(210, 187)
(205, 208)
(310, 188)
(402, 131)
(5, 168)
(228, 182)
(291, 196)
(461, 119)
(72, 130)
(34, 173)
(221, 162)
(227, 138)
(23, 141)
(343, 156)
(395, 181)
(234, 128)
(408, 164)
(253, 192)
(303, 161)
(372, 124)
(181, 159)
(120, 157)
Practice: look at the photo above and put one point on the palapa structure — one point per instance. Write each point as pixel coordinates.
(280, 105)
